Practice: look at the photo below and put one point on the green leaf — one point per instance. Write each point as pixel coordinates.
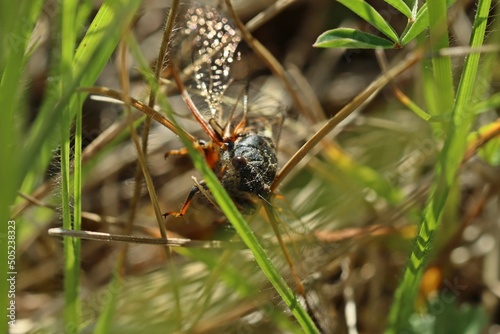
(368, 13)
(351, 38)
(420, 24)
(463, 319)
(401, 6)
(451, 318)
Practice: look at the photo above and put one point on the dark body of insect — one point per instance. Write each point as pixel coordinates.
(247, 168)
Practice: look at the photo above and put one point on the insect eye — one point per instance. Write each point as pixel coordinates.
(239, 162)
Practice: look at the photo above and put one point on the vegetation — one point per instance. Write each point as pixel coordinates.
(388, 155)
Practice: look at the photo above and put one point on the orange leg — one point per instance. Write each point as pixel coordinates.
(187, 202)
(199, 144)
(208, 149)
(182, 151)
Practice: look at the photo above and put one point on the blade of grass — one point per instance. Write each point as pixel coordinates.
(71, 245)
(77, 176)
(92, 54)
(14, 38)
(438, 37)
(445, 179)
(84, 10)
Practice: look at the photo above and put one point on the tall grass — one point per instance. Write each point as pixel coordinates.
(71, 70)
(443, 104)
(17, 20)
(451, 156)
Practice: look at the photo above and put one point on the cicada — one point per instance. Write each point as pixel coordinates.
(243, 124)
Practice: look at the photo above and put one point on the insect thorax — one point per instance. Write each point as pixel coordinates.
(247, 168)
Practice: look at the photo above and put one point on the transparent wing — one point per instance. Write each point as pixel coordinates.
(206, 47)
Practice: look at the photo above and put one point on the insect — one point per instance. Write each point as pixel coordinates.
(242, 147)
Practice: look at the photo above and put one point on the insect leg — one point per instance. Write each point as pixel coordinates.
(200, 145)
(182, 151)
(185, 206)
(187, 202)
(208, 149)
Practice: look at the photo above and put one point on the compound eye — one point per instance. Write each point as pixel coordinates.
(239, 162)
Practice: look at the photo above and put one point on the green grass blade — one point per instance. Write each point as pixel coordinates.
(15, 60)
(14, 37)
(106, 317)
(438, 36)
(370, 15)
(462, 116)
(77, 175)
(445, 179)
(351, 38)
(91, 56)
(84, 11)
(60, 108)
(71, 245)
